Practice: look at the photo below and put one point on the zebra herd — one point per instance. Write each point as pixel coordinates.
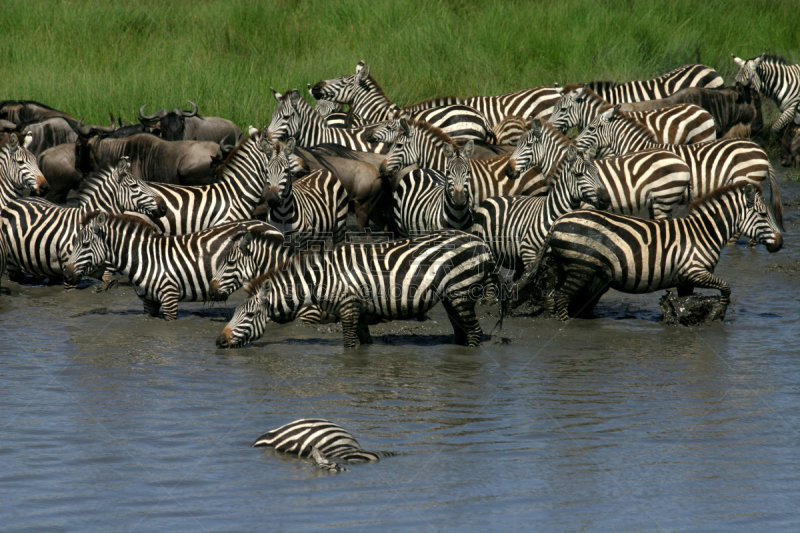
(456, 201)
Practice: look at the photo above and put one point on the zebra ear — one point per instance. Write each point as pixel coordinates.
(263, 292)
(263, 143)
(294, 97)
(28, 140)
(404, 126)
(276, 94)
(536, 128)
(797, 116)
(579, 96)
(738, 61)
(556, 85)
(100, 220)
(288, 147)
(572, 154)
(758, 61)
(750, 193)
(123, 165)
(591, 152)
(244, 242)
(615, 111)
(362, 71)
(13, 142)
(468, 149)
(448, 150)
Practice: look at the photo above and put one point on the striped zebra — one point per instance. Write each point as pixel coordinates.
(632, 255)
(508, 131)
(366, 98)
(425, 200)
(655, 180)
(536, 102)
(771, 76)
(392, 280)
(237, 192)
(693, 75)
(422, 144)
(306, 209)
(305, 436)
(676, 124)
(18, 170)
(40, 234)
(334, 115)
(713, 164)
(164, 270)
(515, 227)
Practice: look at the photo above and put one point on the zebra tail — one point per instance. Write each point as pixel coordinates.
(775, 198)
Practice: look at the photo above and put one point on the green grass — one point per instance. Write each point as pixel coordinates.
(92, 57)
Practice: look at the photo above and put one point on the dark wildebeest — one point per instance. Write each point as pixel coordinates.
(60, 170)
(730, 106)
(22, 111)
(790, 142)
(157, 160)
(181, 125)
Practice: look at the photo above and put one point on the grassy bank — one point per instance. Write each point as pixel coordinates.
(92, 57)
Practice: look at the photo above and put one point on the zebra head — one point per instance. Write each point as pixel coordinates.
(599, 134)
(251, 317)
(133, 194)
(457, 174)
(22, 170)
(278, 187)
(339, 90)
(748, 72)
(567, 111)
(403, 152)
(385, 132)
(326, 107)
(241, 262)
(583, 181)
(286, 119)
(88, 247)
(759, 221)
(529, 149)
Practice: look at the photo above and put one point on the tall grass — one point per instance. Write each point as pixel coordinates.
(92, 57)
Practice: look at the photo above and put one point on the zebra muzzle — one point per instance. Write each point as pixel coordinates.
(511, 169)
(776, 244)
(41, 185)
(161, 206)
(215, 293)
(224, 339)
(603, 199)
(71, 274)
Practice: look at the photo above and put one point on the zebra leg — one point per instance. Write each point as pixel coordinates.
(461, 312)
(362, 330)
(707, 280)
(169, 300)
(350, 317)
(108, 280)
(151, 307)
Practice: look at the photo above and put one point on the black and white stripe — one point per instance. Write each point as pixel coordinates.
(693, 75)
(427, 200)
(392, 280)
(770, 75)
(536, 102)
(713, 164)
(164, 270)
(40, 233)
(307, 209)
(18, 170)
(603, 250)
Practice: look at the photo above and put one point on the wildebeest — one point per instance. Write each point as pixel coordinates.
(50, 132)
(61, 172)
(21, 111)
(790, 142)
(179, 125)
(728, 105)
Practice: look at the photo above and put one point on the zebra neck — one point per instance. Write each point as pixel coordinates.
(285, 217)
(245, 183)
(455, 216)
(554, 150)
(373, 106)
(294, 286)
(431, 153)
(126, 248)
(560, 201)
(590, 110)
(776, 83)
(8, 193)
(718, 222)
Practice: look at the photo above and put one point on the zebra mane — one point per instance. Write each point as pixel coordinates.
(638, 126)
(233, 152)
(254, 286)
(4, 137)
(376, 86)
(92, 182)
(122, 218)
(596, 86)
(562, 139)
(718, 193)
(433, 131)
(774, 59)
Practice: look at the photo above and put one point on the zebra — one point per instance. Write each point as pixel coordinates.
(507, 131)
(40, 233)
(423, 201)
(393, 280)
(693, 75)
(770, 75)
(515, 227)
(713, 164)
(422, 144)
(164, 270)
(18, 170)
(334, 115)
(308, 208)
(655, 180)
(235, 195)
(632, 255)
(536, 102)
(366, 98)
(320, 439)
(676, 124)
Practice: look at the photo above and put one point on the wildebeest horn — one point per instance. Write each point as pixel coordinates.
(80, 129)
(161, 113)
(190, 113)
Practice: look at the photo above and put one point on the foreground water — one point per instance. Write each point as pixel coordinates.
(113, 421)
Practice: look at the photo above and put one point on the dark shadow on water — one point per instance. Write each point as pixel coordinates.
(215, 314)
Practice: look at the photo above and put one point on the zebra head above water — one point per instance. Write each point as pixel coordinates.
(286, 119)
(18, 166)
(278, 186)
(748, 72)
(567, 110)
(88, 247)
(251, 317)
(131, 193)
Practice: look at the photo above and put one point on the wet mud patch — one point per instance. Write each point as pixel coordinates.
(692, 310)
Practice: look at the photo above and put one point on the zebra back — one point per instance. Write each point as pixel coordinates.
(536, 102)
(693, 75)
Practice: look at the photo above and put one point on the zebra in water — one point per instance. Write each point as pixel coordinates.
(655, 180)
(693, 75)
(424, 202)
(306, 436)
(392, 280)
(366, 98)
(515, 227)
(237, 192)
(40, 233)
(713, 164)
(605, 250)
(164, 270)
(676, 124)
(306, 209)
(770, 75)
(422, 144)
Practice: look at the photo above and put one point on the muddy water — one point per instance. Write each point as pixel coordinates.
(113, 421)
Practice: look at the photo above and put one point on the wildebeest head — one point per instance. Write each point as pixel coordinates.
(790, 142)
(171, 125)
